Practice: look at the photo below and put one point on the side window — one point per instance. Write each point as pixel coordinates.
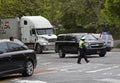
(32, 32)
(3, 47)
(70, 38)
(25, 22)
(104, 37)
(60, 38)
(67, 38)
(73, 38)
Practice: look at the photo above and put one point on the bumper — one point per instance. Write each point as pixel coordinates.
(50, 46)
(91, 51)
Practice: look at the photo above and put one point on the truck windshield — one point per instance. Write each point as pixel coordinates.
(45, 31)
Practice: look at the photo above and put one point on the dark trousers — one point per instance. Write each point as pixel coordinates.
(82, 55)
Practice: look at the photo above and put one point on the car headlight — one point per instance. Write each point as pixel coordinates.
(44, 43)
(104, 44)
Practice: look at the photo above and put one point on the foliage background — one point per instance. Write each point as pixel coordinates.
(69, 15)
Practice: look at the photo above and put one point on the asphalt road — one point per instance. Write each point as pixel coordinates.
(52, 69)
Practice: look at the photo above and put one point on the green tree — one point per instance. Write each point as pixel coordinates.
(111, 11)
(72, 11)
(111, 14)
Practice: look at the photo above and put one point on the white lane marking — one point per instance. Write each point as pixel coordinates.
(47, 63)
(109, 80)
(103, 69)
(74, 67)
(118, 74)
(63, 67)
(28, 81)
(107, 73)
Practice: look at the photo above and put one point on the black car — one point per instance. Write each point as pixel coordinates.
(16, 58)
(69, 43)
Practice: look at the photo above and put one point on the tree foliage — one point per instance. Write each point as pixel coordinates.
(111, 10)
(69, 13)
(111, 14)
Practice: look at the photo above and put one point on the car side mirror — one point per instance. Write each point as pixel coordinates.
(1, 52)
(74, 40)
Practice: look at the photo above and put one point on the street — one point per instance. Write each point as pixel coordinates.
(52, 69)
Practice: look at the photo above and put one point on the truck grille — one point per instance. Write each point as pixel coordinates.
(97, 45)
(52, 40)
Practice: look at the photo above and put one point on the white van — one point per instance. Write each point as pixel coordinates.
(107, 38)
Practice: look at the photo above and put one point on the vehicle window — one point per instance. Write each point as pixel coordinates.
(45, 31)
(69, 38)
(33, 31)
(60, 38)
(73, 39)
(78, 37)
(3, 47)
(90, 37)
(110, 37)
(15, 47)
(104, 37)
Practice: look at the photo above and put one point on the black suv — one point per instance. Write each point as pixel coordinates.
(69, 43)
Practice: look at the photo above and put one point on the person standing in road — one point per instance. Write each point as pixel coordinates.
(82, 50)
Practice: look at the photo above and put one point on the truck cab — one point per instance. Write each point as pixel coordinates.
(37, 31)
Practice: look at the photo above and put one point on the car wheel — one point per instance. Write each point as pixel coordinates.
(28, 69)
(102, 54)
(61, 54)
(39, 49)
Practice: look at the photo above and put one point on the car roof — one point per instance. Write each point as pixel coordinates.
(4, 40)
(15, 41)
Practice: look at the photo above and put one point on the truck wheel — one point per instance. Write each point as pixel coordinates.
(28, 69)
(39, 49)
(61, 54)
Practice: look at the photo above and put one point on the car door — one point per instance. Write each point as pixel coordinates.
(69, 46)
(5, 58)
(17, 55)
(73, 45)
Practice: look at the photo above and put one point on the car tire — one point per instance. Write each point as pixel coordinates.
(61, 54)
(39, 49)
(28, 69)
(102, 54)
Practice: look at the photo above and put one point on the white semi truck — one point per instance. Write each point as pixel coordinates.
(34, 31)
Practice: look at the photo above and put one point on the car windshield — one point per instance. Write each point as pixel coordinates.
(89, 37)
(45, 31)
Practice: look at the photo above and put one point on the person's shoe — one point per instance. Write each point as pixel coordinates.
(78, 63)
(88, 61)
